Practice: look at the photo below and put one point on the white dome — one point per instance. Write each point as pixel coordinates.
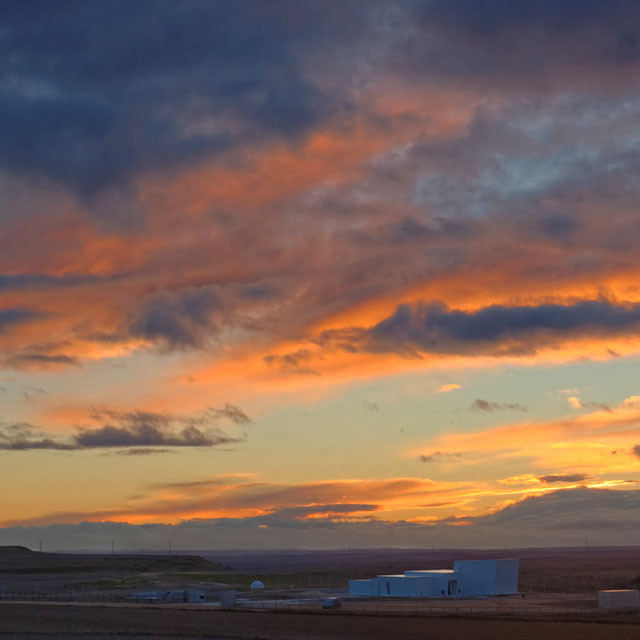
(256, 584)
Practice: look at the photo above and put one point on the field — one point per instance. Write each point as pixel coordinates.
(87, 595)
(55, 622)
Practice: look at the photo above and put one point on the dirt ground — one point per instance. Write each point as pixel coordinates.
(55, 622)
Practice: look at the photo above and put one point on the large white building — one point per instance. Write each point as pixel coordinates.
(467, 578)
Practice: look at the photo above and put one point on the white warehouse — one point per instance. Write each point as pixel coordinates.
(467, 578)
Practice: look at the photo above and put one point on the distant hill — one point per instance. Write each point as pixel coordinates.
(16, 559)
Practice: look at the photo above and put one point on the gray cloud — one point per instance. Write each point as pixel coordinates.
(139, 432)
(568, 477)
(484, 405)
(439, 455)
(148, 451)
(229, 412)
(335, 510)
(186, 319)
(41, 360)
(31, 393)
(295, 362)
(579, 509)
(597, 406)
(636, 450)
(21, 436)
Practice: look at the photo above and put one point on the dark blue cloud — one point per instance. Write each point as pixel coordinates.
(491, 16)
(532, 42)
(186, 319)
(42, 280)
(12, 317)
(434, 328)
(97, 90)
(557, 225)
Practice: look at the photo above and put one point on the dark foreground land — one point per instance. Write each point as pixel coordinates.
(55, 622)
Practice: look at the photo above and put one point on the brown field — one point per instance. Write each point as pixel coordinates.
(35, 621)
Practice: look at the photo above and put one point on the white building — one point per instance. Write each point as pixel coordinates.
(467, 578)
(619, 599)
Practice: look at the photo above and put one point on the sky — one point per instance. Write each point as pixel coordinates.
(319, 274)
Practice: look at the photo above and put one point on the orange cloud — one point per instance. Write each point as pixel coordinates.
(599, 442)
(223, 497)
(445, 388)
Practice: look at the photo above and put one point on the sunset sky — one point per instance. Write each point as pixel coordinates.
(320, 273)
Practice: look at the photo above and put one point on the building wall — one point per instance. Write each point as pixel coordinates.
(507, 571)
(487, 577)
(360, 588)
(468, 578)
(619, 599)
(402, 586)
(444, 583)
(477, 577)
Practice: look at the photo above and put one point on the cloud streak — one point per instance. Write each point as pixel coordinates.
(484, 405)
(562, 516)
(497, 329)
(137, 433)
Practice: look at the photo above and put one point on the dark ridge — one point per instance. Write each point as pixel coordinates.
(20, 560)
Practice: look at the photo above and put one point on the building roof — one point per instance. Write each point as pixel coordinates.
(430, 571)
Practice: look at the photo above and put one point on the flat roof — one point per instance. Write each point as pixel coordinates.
(431, 570)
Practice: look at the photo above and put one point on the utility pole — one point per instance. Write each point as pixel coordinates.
(40, 545)
(112, 548)
(169, 547)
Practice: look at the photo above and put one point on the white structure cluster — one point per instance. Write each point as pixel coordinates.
(467, 578)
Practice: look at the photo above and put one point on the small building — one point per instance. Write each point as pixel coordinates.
(194, 595)
(467, 578)
(619, 599)
(228, 598)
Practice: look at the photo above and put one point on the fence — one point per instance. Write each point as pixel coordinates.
(65, 596)
(347, 606)
(417, 609)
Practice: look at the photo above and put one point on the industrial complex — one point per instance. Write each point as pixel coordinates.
(467, 578)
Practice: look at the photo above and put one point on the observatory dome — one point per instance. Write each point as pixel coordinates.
(256, 584)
